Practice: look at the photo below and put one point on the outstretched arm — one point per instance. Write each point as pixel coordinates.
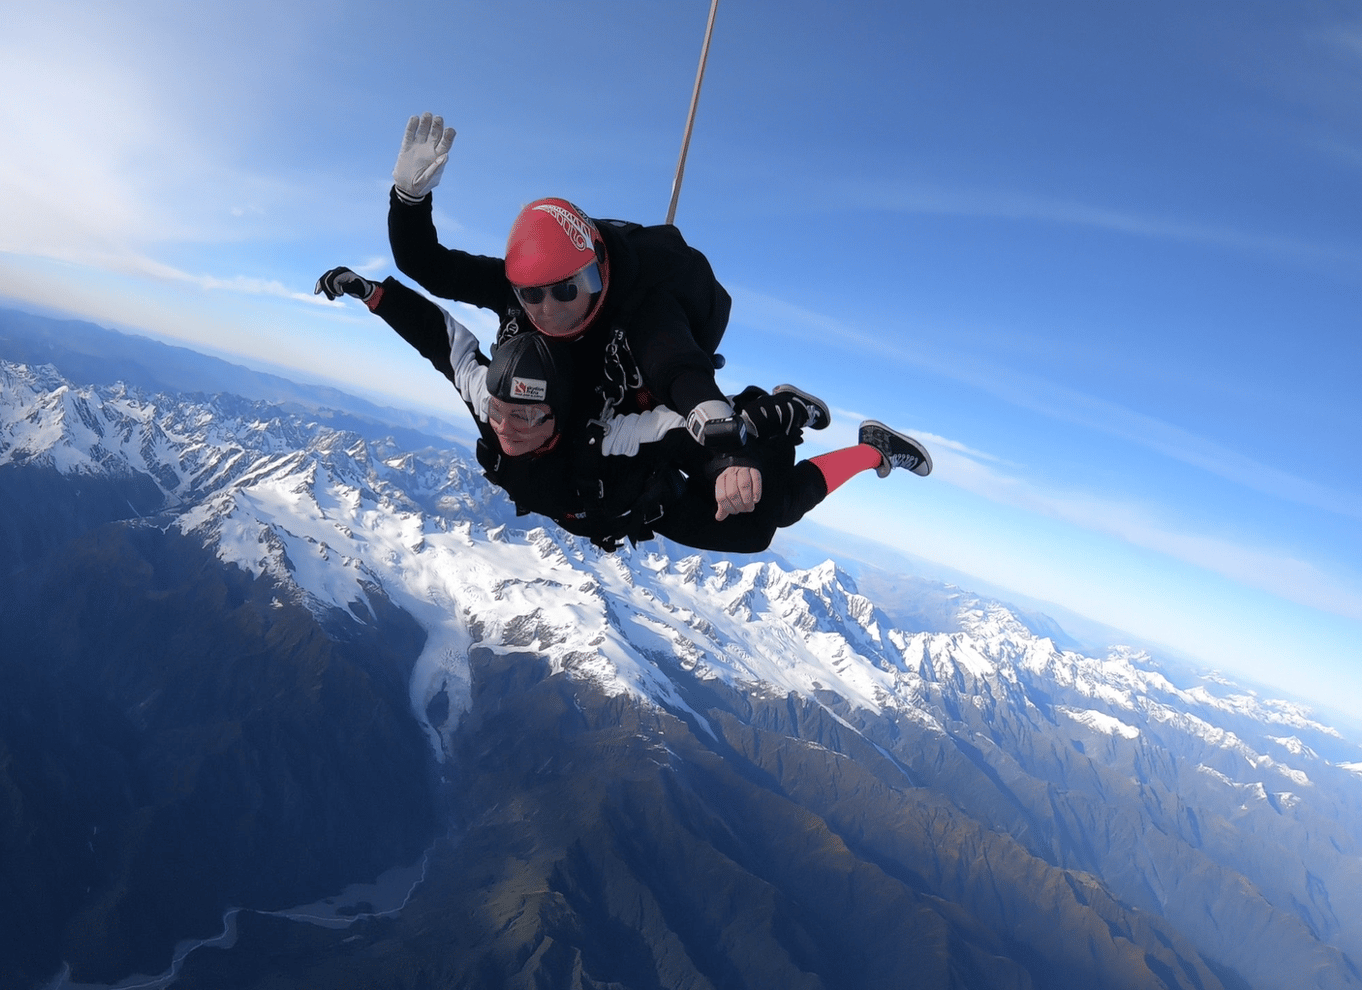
(442, 340)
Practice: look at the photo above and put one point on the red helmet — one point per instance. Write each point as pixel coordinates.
(552, 241)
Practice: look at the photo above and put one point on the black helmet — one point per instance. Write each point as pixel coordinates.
(530, 368)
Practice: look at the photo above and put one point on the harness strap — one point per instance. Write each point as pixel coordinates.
(664, 488)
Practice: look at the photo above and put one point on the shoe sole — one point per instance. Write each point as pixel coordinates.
(922, 468)
(812, 400)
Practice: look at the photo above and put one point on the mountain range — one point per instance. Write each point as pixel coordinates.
(259, 651)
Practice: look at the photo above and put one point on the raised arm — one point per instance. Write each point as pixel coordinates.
(416, 248)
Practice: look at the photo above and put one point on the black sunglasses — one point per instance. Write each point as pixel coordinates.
(564, 291)
(588, 279)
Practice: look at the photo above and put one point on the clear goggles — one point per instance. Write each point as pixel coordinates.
(586, 280)
(501, 413)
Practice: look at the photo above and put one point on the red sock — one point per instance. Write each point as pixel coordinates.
(839, 465)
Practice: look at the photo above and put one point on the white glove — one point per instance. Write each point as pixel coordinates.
(425, 149)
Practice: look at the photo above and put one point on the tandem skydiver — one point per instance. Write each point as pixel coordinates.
(647, 473)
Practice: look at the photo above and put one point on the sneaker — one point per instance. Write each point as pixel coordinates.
(896, 450)
(819, 417)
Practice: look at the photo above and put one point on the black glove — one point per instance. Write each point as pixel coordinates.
(342, 281)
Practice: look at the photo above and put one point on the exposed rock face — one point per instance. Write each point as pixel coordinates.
(656, 768)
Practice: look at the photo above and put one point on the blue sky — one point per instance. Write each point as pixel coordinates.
(1106, 259)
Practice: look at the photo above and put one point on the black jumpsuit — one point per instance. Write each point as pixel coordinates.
(662, 301)
(662, 486)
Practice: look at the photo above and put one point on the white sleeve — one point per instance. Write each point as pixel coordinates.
(470, 375)
(625, 434)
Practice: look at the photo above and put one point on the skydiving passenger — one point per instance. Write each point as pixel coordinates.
(649, 475)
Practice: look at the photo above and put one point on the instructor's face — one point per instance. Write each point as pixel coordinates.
(558, 319)
(558, 308)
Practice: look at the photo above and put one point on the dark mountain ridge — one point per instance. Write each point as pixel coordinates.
(251, 659)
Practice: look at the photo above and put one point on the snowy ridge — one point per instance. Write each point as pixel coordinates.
(340, 518)
(344, 522)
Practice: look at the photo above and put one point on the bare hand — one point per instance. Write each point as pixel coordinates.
(737, 489)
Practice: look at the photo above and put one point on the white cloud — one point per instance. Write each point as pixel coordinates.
(60, 178)
(1020, 206)
(132, 136)
(377, 265)
(138, 265)
(1269, 570)
(1002, 482)
(1043, 396)
(936, 442)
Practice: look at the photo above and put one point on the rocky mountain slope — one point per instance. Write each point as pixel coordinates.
(259, 655)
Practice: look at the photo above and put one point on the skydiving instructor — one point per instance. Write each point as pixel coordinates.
(643, 307)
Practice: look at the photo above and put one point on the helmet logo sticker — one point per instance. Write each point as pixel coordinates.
(533, 389)
(572, 224)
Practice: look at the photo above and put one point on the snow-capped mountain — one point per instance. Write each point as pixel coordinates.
(1106, 816)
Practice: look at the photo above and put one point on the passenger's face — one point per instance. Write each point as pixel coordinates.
(521, 429)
